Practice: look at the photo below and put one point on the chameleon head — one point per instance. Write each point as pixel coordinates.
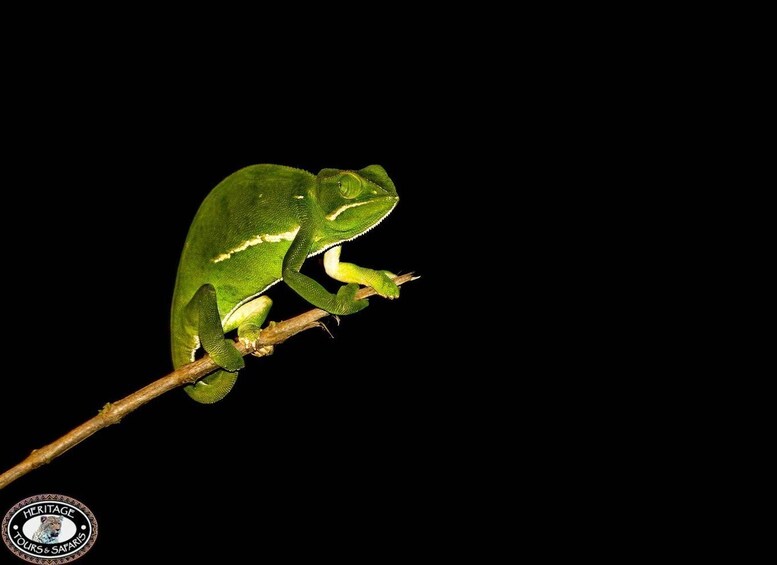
(355, 201)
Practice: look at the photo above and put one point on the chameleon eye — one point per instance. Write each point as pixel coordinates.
(350, 186)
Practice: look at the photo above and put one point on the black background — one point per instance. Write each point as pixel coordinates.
(340, 445)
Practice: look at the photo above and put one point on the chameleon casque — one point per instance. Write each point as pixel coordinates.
(256, 228)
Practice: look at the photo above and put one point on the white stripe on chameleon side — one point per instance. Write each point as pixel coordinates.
(256, 240)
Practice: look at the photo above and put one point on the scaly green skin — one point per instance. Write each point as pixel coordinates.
(255, 228)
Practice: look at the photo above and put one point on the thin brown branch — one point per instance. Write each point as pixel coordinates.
(113, 412)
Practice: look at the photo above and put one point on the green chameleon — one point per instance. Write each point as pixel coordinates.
(256, 228)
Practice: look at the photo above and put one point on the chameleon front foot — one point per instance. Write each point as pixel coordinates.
(384, 286)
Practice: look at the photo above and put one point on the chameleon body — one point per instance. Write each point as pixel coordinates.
(256, 228)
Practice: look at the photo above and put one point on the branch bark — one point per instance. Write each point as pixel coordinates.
(114, 412)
